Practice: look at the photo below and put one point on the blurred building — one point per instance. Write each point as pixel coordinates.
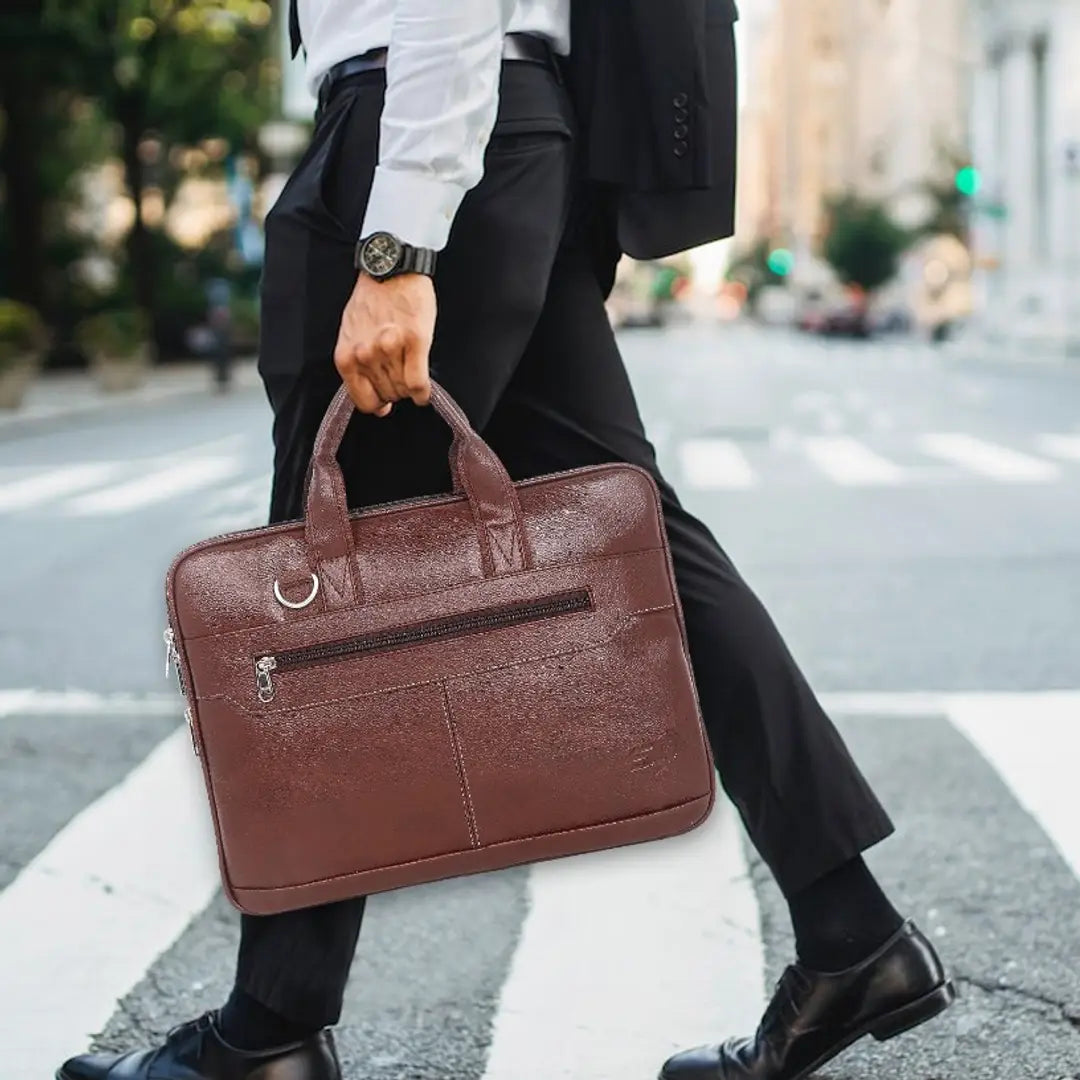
(1026, 137)
(862, 95)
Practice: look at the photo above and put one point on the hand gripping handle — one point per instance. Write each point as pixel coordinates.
(477, 473)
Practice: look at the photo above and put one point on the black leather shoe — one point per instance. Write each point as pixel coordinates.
(196, 1051)
(814, 1015)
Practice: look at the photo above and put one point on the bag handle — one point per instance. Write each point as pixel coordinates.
(477, 473)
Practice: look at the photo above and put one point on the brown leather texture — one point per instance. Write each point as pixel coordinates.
(491, 677)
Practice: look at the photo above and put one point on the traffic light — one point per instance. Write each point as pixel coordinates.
(781, 262)
(968, 180)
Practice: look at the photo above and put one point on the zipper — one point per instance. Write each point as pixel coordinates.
(191, 730)
(172, 659)
(398, 637)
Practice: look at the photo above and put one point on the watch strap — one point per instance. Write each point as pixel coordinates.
(416, 260)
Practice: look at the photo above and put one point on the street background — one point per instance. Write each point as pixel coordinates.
(871, 394)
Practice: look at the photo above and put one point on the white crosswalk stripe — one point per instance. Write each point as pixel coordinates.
(40, 488)
(155, 487)
(1015, 733)
(715, 464)
(1060, 446)
(77, 899)
(851, 463)
(231, 497)
(594, 959)
(988, 459)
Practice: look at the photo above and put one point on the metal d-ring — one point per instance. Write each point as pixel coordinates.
(303, 603)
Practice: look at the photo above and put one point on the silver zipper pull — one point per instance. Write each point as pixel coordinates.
(191, 730)
(263, 666)
(170, 649)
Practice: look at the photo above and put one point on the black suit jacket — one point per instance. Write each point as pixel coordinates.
(655, 91)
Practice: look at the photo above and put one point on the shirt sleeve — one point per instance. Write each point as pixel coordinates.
(442, 93)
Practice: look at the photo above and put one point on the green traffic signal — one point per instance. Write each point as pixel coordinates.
(968, 180)
(781, 262)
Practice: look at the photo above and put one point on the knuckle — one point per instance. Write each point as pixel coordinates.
(389, 338)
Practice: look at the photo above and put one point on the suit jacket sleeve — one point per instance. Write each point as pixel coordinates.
(669, 47)
(649, 92)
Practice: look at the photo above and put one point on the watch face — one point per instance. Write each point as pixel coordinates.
(380, 254)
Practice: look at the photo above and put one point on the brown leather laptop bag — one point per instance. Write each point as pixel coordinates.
(437, 686)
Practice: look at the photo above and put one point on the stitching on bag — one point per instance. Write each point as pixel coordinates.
(486, 559)
(620, 627)
(496, 541)
(490, 847)
(463, 779)
(375, 605)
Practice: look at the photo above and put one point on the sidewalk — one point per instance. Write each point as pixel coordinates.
(63, 395)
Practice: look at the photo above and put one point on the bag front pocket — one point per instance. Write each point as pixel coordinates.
(602, 734)
(343, 787)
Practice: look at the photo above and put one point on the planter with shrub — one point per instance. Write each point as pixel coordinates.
(117, 346)
(22, 342)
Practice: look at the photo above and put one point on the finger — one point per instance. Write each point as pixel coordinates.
(398, 370)
(365, 396)
(381, 406)
(356, 368)
(416, 370)
(381, 361)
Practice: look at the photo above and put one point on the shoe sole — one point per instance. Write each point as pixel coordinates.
(885, 1027)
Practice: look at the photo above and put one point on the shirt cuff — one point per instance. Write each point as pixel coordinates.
(416, 208)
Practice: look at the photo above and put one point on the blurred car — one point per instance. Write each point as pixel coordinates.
(834, 315)
(644, 293)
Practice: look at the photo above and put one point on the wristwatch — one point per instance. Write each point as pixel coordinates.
(382, 255)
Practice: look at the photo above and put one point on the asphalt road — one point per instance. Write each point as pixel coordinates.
(913, 524)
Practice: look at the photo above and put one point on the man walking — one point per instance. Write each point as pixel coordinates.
(476, 169)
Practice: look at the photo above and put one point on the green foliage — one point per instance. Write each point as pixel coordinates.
(186, 69)
(22, 333)
(171, 87)
(119, 333)
(863, 244)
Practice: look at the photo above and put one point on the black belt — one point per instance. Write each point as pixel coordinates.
(516, 46)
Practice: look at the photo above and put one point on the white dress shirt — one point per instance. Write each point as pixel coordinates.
(442, 90)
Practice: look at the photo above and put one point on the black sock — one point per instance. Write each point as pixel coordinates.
(248, 1024)
(842, 918)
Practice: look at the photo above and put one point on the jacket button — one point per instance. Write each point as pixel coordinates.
(680, 131)
(680, 148)
(681, 115)
(679, 100)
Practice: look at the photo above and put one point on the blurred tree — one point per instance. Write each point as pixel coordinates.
(168, 73)
(862, 242)
(24, 136)
(49, 134)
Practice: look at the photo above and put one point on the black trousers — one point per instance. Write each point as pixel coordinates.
(523, 343)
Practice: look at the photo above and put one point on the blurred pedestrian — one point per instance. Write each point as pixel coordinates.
(219, 316)
(463, 151)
